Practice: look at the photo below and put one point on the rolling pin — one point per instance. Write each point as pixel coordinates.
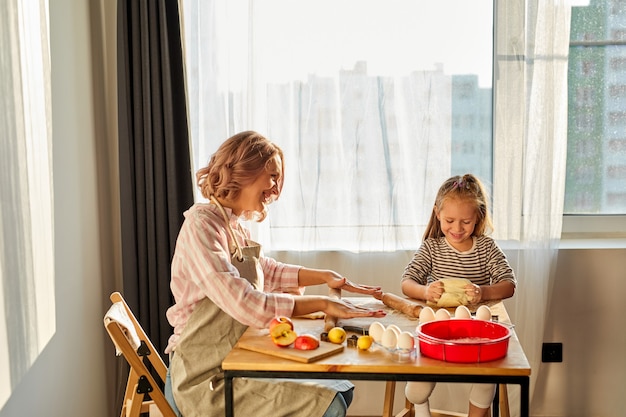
(331, 321)
(401, 304)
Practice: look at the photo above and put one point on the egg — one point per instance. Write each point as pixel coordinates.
(483, 313)
(390, 340)
(427, 314)
(462, 312)
(395, 328)
(442, 314)
(406, 341)
(376, 330)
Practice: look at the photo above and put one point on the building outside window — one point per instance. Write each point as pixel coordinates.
(596, 159)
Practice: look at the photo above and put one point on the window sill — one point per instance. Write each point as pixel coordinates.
(593, 232)
(577, 241)
(583, 241)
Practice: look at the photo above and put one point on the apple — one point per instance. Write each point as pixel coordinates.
(281, 331)
(364, 342)
(337, 335)
(283, 335)
(280, 320)
(306, 342)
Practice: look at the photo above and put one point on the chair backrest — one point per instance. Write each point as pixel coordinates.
(144, 389)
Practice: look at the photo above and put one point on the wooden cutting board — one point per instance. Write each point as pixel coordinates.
(264, 344)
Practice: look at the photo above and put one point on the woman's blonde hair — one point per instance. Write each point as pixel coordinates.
(465, 188)
(237, 163)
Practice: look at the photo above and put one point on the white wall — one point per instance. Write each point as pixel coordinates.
(586, 314)
(69, 379)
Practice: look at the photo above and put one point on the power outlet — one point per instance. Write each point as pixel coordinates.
(552, 352)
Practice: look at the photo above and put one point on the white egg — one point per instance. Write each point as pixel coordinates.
(427, 314)
(390, 340)
(395, 328)
(406, 341)
(376, 330)
(442, 314)
(462, 312)
(483, 313)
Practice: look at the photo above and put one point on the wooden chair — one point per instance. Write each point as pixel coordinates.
(409, 411)
(144, 389)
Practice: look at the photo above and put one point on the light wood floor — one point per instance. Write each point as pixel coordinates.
(432, 413)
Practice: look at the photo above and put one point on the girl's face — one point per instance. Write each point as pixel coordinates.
(262, 191)
(457, 219)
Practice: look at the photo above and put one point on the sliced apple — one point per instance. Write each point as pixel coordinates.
(283, 334)
(306, 342)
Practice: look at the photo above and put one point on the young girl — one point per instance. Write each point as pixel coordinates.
(456, 245)
(222, 284)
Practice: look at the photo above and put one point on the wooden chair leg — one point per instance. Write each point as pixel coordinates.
(408, 411)
(390, 392)
(133, 406)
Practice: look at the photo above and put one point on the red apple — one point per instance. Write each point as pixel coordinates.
(281, 331)
(306, 342)
(279, 320)
(283, 335)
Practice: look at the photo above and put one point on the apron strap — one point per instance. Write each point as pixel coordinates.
(238, 251)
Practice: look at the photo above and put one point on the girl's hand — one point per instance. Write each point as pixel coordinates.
(434, 290)
(474, 293)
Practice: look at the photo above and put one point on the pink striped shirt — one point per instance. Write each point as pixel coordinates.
(201, 267)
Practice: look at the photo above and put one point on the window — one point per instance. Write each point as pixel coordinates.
(362, 95)
(596, 160)
(374, 107)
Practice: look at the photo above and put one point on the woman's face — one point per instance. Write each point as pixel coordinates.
(262, 191)
(457, 219)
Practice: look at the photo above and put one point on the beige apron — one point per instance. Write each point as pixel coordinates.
(207, 338)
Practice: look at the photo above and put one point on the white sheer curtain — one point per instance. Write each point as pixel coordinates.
(367, 143)
(27, 305)
(365, 154)
(360, 186)
(531, 144)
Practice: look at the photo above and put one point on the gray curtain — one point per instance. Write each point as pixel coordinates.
(155, 178)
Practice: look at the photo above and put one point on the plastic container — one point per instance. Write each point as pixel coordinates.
(396, 354)
(463, 340)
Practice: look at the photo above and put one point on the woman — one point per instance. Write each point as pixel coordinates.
(222, 284)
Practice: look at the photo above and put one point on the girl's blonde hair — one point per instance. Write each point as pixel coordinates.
(466, 188)
(237, 163)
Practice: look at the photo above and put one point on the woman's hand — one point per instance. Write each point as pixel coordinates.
(308, 277)
(335, 307)
(344, 309)
(343, 283)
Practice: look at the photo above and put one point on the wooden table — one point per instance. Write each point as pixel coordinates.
(377, 364)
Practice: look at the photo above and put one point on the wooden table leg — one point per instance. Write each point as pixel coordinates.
(504, 401)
